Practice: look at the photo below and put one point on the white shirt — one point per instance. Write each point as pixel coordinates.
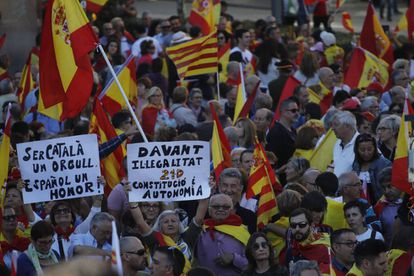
(367, 235)
(136, 47)
(65, 244)
(86, 240)
(250, 203)
(314, 80)
(246, 55)
(272, 73)
(344, 157)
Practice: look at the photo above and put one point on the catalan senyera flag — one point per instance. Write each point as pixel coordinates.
(407, 21)
(241, 95)
(220, 147)
(347, 22)
(400, 165)
(66, 75)
(339, 3)
(205, 14)
(322, 156)
(111, 97)
(287, 92)
(5, 150)
(27, 83)
(111, 166)
(364, 68)
(116, 251)
(259, 183)
(223, 59)
(196, 57)
(373, 37)
(95, 5)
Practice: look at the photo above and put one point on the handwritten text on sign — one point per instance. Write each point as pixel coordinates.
(168, 171)
(60, 168)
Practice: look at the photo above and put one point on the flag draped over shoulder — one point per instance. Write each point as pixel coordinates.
(400, 165)
(111, 97)
(66, 76)
(373, 37)
(27, 83)
(111, 166)
(364, 68)
(5, 150)
(196, 57)
(205, 14)
(407, 21)
(347, 22)
(322, 155)
(220, 147)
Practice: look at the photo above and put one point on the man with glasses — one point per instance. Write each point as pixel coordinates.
(167, 261)
(133, 255)
(221, 247)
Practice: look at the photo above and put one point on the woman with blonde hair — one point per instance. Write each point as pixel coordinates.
(246, 130)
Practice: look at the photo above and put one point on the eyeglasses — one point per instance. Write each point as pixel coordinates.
(140, 252)
(45, 242)
(148, 206)
(263, 245)
(293, 110)
(223, 207)
(300, 224)
(356, 184)
(10, 218)
(382, 129)
(349, 243)
(62, 211)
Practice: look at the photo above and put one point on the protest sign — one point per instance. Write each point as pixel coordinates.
(61, 168)
(169, 171)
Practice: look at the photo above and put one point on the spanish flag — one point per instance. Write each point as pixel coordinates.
(111, 97)
(95, 5)
(196, 57)
(244, 113)
(241, 94)
(27, 83)
(323, 154)
(364, 68)
(205, 14)
(220, 147)
(223, 59)
(5, 150)
(347, 22)
(111, 166)
(373, 37)
(400, 164)
(407, 21)
(66, 76)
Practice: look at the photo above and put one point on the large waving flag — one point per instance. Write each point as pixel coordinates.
(111, 166)
(111, 97)
(205, 14)
(223, 59)
(407, 21)
(244, 113)
(95, 5)
(220, 147)
(322, 156)
(400, 164)
(196, 57)
(241, 95)
(5, 150)
(373, 37)
(27, 83)
(364, 68)
(66, 76)
(347, 22)
(116, 251)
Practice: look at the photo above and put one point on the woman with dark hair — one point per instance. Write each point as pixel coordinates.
(112, 49)
(367, 164)
(268, 56)
(305, 143)
(261, 257)
(40, 254)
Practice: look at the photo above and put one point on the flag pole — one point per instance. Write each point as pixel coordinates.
(111, 69)
(218, 86)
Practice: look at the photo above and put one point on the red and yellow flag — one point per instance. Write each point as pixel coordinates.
(205, 14)
(27, 83)
(287, 92)
(5, 150)
(373, 37)
(111, 166)
(241, 94)
(364, 68)
(95, 5)
(220, 147)
(347, 22)
(223, 59)
(407, 21)
(111, 97)
(66, 76)
(196, 57)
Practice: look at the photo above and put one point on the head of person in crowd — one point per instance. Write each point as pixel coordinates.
(122, 120)
(259, 249)
(113, 47)
(344, 126)
(20, 133)
(339, 98)
(147, 47)
(306, 138)
(312, 111)
(133, 255)
(350, 186)
(308, 179)
(305, 268)
(370, 257)
(301, 93)
(355, 216)
(263, 100)
(155, 97)
(165, 27)
(295, 168)
(328, 183)
(144, 84)
(235, 156)
(309, 65)
(300, 222)
(246, 160)
(13, 197)
(316, 203)
(167, 261)
(289, 112)
(288, 200)
(230, 184)
(9, 220)
(62, 216)
(404, 239)
(371, 105)
(176, 23)
(220, 207)
(168, 223)
(364, 122)
(246, 130)
(338, 74)
(391, 193)
(327, 77)
(151, 211)
(101, 227)
(343, 242)
(285, 67)
(387, 131)
(243, 38)
(165, 134)
(118, 25)
(180, 95)
(365, 149)
(400, 78)
(296, 186)
(262, 119)
(233, 70)
(40, 250)
(108, 29)
(397, 95)
(374, 89)
(222, 37)
(358, 93)
(251, 84)
(195, 98)
(232, 137)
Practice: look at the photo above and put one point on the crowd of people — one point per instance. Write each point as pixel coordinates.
(348, 219)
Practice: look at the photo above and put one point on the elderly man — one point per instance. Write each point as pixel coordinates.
(262, 119)
(221, 247)
(97, 241)
(345, 129)
(133, 255)
(370, 259)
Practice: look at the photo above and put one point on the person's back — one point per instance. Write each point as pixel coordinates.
(180, 111)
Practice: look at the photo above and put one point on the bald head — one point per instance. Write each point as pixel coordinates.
(130, 244)
(308, 179)
(326, 76)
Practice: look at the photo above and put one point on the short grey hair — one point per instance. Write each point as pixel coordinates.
(344, 180)
(231, 134)
(392, 122)
(98, 218)
(302, 265)
(157, 223)
(367, 102)
(329, 117)
(346, 118)
(230, 172)
(384, 176)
